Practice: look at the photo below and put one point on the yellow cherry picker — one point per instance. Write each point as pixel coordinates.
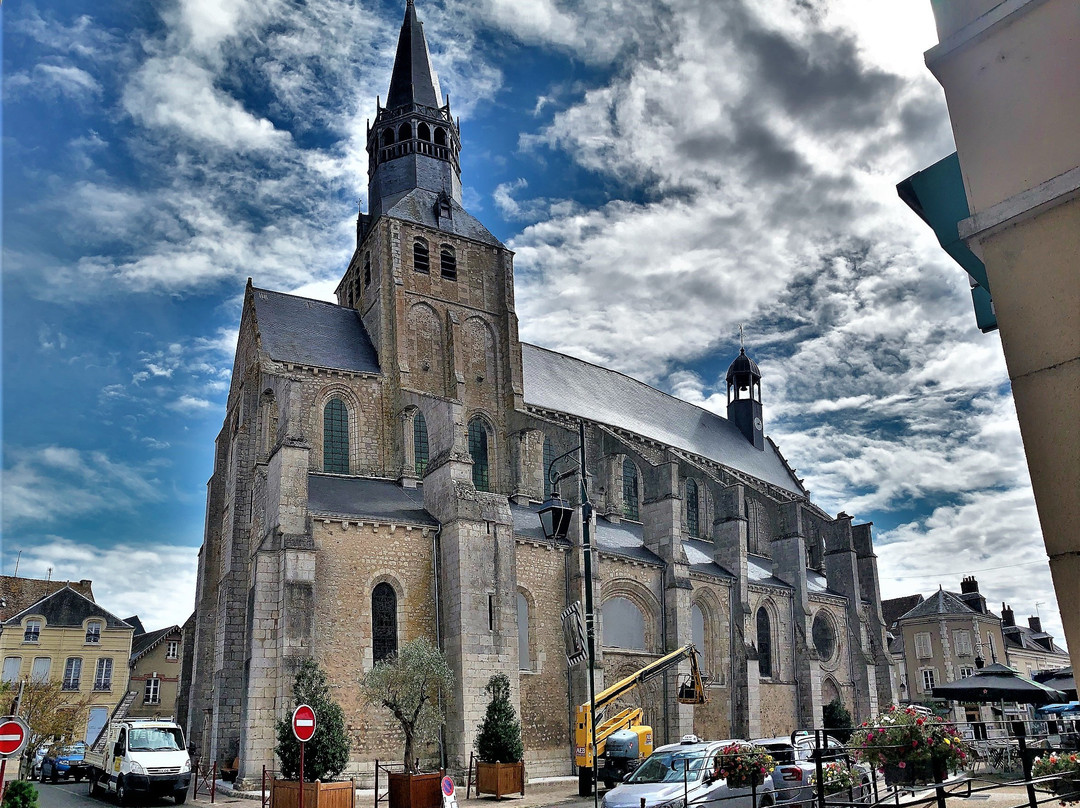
(623, 741)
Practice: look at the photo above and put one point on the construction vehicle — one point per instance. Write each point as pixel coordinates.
(623, 741)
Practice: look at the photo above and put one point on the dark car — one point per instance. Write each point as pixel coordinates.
(63, 762)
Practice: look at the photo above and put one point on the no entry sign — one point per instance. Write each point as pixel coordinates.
(303, 723)
(13, 735)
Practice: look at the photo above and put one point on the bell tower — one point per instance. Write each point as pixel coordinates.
(744, 398)
(414, 142)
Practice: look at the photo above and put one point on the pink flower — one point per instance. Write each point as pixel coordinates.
(914, 743)
(902, 764)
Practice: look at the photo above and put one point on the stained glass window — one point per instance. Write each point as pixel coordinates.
(420, 444)
(630, 490)
(764, 643)
(336, 437)
(383, 621)
(478, 448)
(549, 458)
(692, 525)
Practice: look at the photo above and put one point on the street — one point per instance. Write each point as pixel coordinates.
(68, 794)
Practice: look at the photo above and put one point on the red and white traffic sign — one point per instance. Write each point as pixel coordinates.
(303, 723)
(13, 736)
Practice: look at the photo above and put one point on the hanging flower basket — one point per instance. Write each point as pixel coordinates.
(838, 778)
(913, 748)
(743, 765)
(1067, 768)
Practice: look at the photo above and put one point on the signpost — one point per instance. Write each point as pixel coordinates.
(303, 727)
(449, 800)
(13, 737)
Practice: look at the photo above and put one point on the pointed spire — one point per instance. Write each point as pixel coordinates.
(413, 81)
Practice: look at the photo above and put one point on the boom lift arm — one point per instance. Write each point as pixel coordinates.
(691, 691)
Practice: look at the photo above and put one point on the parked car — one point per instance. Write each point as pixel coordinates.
(62, 762)
(35, 764)
(680, 775)
(793, 778)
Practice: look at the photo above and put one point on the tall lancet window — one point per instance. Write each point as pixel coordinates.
(549, 458)
(630, 490)
(692, 524)
(335, 437)
(478, 449)
(420, 444)
(764, 644)
(383, 621)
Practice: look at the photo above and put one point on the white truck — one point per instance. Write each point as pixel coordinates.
(139, 757)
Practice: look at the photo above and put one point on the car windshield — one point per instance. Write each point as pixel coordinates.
(670, 767)
(155, 739)
(77, 749)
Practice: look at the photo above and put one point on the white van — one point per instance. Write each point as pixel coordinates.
(140, 757)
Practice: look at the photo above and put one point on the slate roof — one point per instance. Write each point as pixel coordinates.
(941, 602)
(557, 382)
(313, 332)
(149, 640)
(67, 608)
(418, 206)
(1023, 637)
(817, 582)
(359, 497)
(699, 555)
(759, 571)
(21, 593)
(413, 80)
(135, 623)
(895, 608)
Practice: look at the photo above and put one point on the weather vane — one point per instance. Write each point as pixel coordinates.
(741, 346)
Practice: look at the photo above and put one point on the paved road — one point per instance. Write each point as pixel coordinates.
(68, 794)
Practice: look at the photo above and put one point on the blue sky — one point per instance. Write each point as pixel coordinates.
(664, 170)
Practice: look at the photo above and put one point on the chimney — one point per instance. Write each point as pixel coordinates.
(1035, 624)
(1007, 617)
(969, 584)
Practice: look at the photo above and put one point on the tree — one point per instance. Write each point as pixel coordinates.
(51, 713)
(413, 685)
(837, 720)
(327, 753)
(498, 739)
(20, 794)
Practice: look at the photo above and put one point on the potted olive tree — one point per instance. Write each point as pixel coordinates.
(325, 755)
(501, 766)
(414, 686)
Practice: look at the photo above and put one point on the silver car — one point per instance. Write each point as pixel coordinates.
(680, 776)
(794, 777)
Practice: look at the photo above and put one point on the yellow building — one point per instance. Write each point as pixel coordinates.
(155, 672)
(66, 637)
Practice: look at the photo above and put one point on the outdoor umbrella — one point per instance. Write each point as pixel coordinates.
(998, 683)
(1062, 680)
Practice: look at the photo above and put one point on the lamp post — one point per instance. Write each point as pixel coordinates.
(555, 518)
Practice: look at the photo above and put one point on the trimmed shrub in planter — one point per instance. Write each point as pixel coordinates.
(501, 769)
(327, 753)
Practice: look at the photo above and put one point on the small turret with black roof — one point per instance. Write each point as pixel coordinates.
(744, 398)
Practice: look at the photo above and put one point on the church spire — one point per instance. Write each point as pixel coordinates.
(414, 143)
(413, 80)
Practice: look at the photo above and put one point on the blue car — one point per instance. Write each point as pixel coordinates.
(63, 762)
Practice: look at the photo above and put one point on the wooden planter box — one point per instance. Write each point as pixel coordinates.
(415, 790)
(286, 794)
(500, 778)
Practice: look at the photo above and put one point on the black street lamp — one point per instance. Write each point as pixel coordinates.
(555, 518)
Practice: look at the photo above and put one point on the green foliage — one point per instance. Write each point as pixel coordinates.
(414, 685)
(327, 753)
(837, 720)
(499, 736)
(902, 735)
(20, 794)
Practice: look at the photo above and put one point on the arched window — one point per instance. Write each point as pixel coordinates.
(448, 262)
(697, 634)
(824, 636)
(383, 621)
(440, 136)
(630, 490)
(336, 437)
(404, 132)
(478, 449)
(549, 458)
(524, 659)
(420, 256)
(386, 138)
(420, 444)
(423, 131)
(692, 524)
(764, 644)
(624, 624)
(367, 270)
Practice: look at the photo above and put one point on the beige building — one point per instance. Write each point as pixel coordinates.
(1010, 74)
(67, 637)
(155, 672)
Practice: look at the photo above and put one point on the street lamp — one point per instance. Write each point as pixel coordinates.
(555, 518)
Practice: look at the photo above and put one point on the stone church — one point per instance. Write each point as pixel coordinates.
(381, 466)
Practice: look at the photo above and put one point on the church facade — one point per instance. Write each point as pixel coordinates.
(381, 466)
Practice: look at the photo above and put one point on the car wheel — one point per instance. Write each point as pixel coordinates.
(78, 777)
(121, 793)
(55, 775)
(41, 775)
(180, 796)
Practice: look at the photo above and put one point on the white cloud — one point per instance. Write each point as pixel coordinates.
(113, 570)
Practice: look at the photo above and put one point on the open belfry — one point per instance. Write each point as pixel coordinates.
(382, 463)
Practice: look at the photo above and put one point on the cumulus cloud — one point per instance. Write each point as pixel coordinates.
(112, 570)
